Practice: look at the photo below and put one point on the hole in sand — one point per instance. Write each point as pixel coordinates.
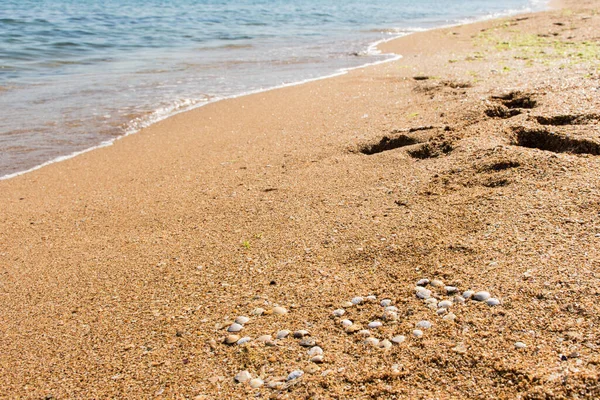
(567, 119)
(501, 165)
(494, 183)
(388, 143)
(516, 100)
(545, 140)
(501, 111)
(431, 150)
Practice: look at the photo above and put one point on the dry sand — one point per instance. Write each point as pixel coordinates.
(120, 268)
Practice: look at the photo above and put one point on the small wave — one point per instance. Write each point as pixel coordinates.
(234, 37)
(255, 24)
(229, 46)
(395, 31)
(164, 112)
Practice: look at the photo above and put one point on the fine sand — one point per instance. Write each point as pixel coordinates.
(473, 160)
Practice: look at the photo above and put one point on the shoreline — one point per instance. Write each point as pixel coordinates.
(371, 49)
(472, 161)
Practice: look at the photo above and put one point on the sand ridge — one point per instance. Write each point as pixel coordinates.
(472, 160)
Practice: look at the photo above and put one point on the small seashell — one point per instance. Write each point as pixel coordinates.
(279, 311)
(282, 334)
(398, 339)
(357, 300)
(424, 324)
(243, 340)
(385, 303)
(375, 324)
(315, 351)
(339, 312)
(492, 302)
(300, 334)
(231, 339)
(235, 328)
(243, 376)
(294, 375)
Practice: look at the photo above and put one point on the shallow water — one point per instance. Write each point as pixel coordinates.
(76, 73)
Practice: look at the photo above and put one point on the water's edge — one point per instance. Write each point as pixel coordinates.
(371, 49)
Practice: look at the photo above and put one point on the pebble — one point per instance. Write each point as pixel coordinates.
(282, 334)
(243, 340)
(418, 333)
(468, 294)
(308, 342)
(423, 282)
(391, 308)
(243, 376)
(445, 304)
(242, 320)
(279, 310)
(390, 316)
(372, 341)
(357, 300)
(424, 324)
(441, 311)
(231, 339)
(300, 334)
(375, 324)
(339, 312)
(315, 351)
(385, 344)
(385, 303)
(258, 311)
(317, 359)
(451, 289)
(346, 322)
(294, 375)
(423, 293)
(520, 345)
(437, 283)
(481, 296)
(347, 304)
(398, 339)
(449, 317)
(371, 298)
(431, 300)
(235, 328)
(432, 306)
(364, 332)
(492, 302)
(256, 383)
(459, 299)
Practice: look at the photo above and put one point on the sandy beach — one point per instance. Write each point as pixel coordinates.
(472, 161)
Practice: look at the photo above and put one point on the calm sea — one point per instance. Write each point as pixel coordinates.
(78, 73)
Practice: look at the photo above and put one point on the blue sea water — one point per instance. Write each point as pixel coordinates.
(77, 73)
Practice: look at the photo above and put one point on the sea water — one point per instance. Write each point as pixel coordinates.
(75, 74)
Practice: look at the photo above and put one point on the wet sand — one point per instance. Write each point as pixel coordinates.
(473, 160)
